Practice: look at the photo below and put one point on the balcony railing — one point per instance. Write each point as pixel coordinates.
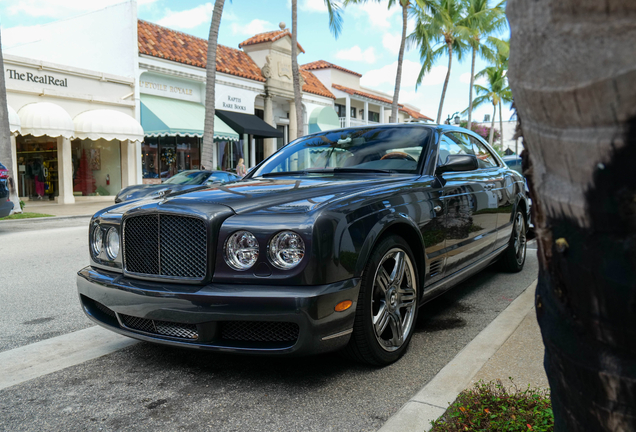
(355, 122)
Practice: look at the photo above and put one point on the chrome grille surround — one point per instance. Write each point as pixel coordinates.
(165, 246)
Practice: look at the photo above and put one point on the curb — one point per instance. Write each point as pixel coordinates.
(433, 399)
(37, 219)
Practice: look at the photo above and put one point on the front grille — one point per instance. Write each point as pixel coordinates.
(165, 245)
(259, 331)
(165, 328)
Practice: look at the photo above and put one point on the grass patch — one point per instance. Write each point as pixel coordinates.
(26, 215)
(491, 407)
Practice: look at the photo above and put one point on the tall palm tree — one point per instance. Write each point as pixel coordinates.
(208, 150)
(5, 138)
(481, 20)
(575, 95)
(439, 31)
(405, 5)
(335, 25)
(495, 92)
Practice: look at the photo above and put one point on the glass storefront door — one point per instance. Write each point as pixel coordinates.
(37, 167)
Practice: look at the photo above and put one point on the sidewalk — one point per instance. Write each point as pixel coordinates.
(511, 346)
(83, 208)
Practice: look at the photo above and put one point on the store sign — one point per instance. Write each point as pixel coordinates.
(35, 78)
(234, 99)
(164, 86)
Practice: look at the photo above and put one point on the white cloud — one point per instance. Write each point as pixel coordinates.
(57, 9)
(312, 6)
(410, 71)
(253, 27)
(378, 14)
(355, 53)
(189, 18)
(392, 42)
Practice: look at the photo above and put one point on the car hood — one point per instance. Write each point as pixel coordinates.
(285, 194)
(141, 191)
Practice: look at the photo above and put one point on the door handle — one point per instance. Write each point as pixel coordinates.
(437, 208)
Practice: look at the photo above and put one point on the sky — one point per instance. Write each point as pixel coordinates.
(368, 44)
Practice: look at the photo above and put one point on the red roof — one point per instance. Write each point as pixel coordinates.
(313, 85)
(268, 37)
(157, 41)
(321, 64)
(410, 112)
(415, 114)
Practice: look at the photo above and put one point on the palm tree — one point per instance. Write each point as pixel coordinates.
(5, 138)
(335, 25)
(208, 149)
(481, 21)
(439, 22)
(495, 92)
(578, 122)
(405, 5)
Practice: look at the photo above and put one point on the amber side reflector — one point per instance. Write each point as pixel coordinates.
(343, 305)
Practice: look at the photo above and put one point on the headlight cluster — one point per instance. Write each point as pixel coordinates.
(109, 242)
(285, 250)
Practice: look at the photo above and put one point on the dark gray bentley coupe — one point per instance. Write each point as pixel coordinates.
(334, 242)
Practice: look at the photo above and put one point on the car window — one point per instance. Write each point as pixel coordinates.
(484, 157)
(188, 178)
(451, 145)
(217, 177)
(397, 149)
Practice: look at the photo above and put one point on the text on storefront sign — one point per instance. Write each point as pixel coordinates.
(42, 79)
(233, 103)
(166, 88)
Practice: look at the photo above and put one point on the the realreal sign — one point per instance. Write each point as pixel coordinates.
(41, 79)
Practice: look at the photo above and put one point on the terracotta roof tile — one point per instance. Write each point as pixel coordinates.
(410, 112)
(270, 36)
(162, 42)
(321, 64)
(313, 85)
(415, 114)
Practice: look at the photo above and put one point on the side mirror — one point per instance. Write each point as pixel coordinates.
(455, 163)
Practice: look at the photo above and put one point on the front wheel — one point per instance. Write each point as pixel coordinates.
(387, 305)
(514, 257)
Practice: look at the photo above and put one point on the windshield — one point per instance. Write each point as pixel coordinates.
(384, 149)
(188, 178)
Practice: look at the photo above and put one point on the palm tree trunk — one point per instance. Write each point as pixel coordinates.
(5, 139)
(208, 149)
(441, 99)
(470, 94)
(501, 137)
(491, 136)
(398, 76)
(579, 128)
(298, 104)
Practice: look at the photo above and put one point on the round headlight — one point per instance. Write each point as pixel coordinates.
(241, 250)
(98, 240)
(112, 243)
(286, 250)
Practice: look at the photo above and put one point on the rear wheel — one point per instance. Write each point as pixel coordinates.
(387, 305)
(514, 257)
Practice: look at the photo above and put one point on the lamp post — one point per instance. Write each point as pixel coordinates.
(454, 118)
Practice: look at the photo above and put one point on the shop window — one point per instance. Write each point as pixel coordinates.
(150, 159)
(163, 157)
(96, 167)
(37, 167)
(229, 154)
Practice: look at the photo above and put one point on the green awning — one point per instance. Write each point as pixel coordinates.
(323, 118)
(170, 117)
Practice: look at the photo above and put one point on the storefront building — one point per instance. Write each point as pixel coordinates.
(73, 131)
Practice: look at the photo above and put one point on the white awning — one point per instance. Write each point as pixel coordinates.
(107, 124)
(45, 118)
(14, 120)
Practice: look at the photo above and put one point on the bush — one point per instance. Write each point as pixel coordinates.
(481, 130)
(491, 407)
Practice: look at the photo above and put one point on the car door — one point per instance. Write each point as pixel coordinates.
(470, 205)
(503, 189)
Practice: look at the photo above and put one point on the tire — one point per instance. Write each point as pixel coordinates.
(514, 257)
(388, 300)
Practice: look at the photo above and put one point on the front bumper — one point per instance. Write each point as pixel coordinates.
(259, 319)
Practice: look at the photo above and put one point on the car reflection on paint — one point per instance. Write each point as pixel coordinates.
(332, 243)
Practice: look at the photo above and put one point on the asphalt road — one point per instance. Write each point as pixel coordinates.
(153, 388)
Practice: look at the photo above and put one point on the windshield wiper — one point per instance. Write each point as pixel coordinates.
(328, 171)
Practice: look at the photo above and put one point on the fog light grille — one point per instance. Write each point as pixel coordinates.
(259, 331)
(164, 328)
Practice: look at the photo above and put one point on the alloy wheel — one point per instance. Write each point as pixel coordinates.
(520, 238)
(394, 299)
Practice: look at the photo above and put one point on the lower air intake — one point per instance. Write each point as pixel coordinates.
(164, 328)
(259, 331)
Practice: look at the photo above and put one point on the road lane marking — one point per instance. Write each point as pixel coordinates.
(42, 358)
(443, 389)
